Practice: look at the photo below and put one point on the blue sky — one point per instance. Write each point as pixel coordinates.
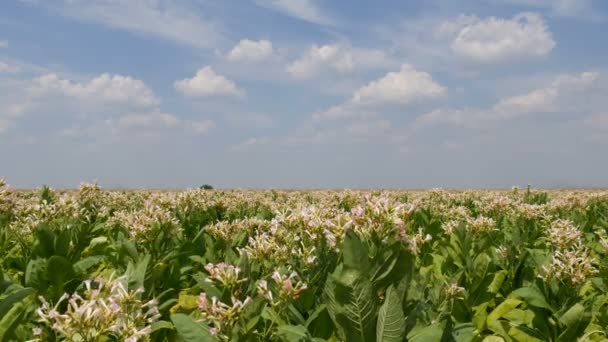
(304, 93)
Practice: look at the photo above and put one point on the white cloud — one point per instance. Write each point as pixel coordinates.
(566, 8)
(9, 68)
(547, 99)
(3, 44)
(249, 143)
(149, 124)
(207, 82)
(565, 93)
(9, 113)
(306, 10)
(337, 58)
(251, 51)
(160, 18)
(201, 126)
(497, 40)
(103, 88)
(147, 120)
(402, 87)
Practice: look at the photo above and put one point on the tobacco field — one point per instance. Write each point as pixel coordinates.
(272, 265)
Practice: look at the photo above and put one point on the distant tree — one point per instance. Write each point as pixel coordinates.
(206, 187)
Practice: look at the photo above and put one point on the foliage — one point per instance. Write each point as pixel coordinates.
(200, 265)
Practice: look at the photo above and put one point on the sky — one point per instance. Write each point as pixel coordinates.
(304, 93)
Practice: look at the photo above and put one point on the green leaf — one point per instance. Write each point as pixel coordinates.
(319, 323)
(391, 320)
(532, 296)
(62, 243)
(13, 298)
(431, 333)
(83, 265)
(45, 241)
(503, 309)
(352, 305)
(464, 332)
(187, 302)
(136, 272)
(494, 322)
(271, 315)
(11, 320)
(575, 321)
(188, 330)
(499, 278)
(294, 333)
(161, 325)
(354, 253)
(59, 272)
(35, 274)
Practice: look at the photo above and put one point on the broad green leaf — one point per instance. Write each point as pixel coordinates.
(575, 321)
(430, 333)
(35, 274)
(7, 303)
(354, 253)
(83, 265)
(294, 333)
(186, 302)
(532, 296)
(11, 320)
(503, 309)
(464, 332)
(493, 321)
(319, 323)
(391, 320)
(493, 339)
(499, 278)
(188, 330)
(161, 325)
(136, 272)
(353, 306)
(59, 272)
(271, 315)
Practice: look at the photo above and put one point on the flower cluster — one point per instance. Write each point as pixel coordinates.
(105, 309)
(221, 316)
(147, 223)
(481, 224)
(287, 288)
(574, 265)
(227, 275)
(563, 234)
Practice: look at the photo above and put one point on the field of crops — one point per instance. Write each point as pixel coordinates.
(210, 265)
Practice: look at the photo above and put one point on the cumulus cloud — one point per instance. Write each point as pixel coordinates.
(402, 87)
(103, 88)
(251, 51)
(563, 94)
(498, 40)
(207, 82)
(336, 58)
(3, 44)
(306, 10)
